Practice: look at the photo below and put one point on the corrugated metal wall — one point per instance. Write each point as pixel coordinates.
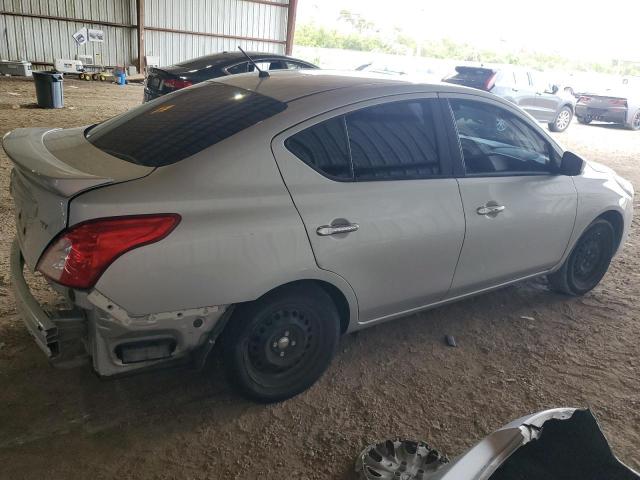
(232, 18)
(44, 39)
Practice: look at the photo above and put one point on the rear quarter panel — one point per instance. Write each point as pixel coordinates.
(240, 234)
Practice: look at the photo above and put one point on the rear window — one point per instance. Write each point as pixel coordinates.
(471, 77)
(181, 124)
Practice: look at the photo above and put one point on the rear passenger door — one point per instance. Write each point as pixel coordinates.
(374, 188)
(546, 103)
(524, 93)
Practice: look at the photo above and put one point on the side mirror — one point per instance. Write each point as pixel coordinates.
(571, 164)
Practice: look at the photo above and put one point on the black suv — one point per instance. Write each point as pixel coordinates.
(527, 89)
(161, 81)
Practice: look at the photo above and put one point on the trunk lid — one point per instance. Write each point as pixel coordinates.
(51, 167)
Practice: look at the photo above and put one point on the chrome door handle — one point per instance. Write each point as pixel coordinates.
(326, 230)
(490, 209)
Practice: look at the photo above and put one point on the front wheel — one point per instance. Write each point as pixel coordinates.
(279, 345)
(588, 261)
(584, 120)
(562, 120)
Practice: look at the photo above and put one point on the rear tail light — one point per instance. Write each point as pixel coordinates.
(490, 81)
(618, 102)
(584, 99)
(177, 83)
(78, 256)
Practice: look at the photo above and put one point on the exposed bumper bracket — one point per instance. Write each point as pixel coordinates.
(48, 330)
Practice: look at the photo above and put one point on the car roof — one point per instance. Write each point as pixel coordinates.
(228, 58)
(289, 85)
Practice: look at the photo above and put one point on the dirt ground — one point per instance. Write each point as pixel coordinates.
(521, 349)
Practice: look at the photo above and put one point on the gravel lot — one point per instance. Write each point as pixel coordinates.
(521, 349)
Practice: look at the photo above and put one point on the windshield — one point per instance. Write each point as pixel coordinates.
(181, 124)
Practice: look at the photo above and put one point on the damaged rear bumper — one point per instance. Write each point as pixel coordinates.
(50, 331)
(117, 341)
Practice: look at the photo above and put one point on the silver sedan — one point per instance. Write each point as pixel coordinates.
(272, 215)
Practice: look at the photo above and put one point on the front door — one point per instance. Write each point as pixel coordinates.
(519, 212)
(378, 201)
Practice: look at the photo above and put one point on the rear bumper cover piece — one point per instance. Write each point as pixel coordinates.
(48, 330)
(614, 115)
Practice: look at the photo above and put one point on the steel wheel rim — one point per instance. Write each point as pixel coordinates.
(590, 259)
(563, 119)
(282, 346)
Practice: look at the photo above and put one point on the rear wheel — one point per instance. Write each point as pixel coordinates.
(562, 120)
(588, 261)
(584, 120)
(634, 124)
(278, 346)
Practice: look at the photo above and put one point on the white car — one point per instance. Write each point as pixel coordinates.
(273, 214)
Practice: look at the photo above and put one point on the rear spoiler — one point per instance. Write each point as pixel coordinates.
(25, 148)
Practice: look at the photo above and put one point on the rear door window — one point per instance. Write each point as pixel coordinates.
(181, 124)
(505, 78)
(522, 79)
(394, 141)
(391, 141)
(296, 66)
(240, 68)
(324, 148)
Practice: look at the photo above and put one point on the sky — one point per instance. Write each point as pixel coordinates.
(585, 30)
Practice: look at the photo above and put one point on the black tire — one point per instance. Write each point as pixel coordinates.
(562, 120)
(584, 120)
(260, 362)
(588, 262)
(634, 124)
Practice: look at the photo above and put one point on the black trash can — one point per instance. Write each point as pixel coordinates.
(49, 89)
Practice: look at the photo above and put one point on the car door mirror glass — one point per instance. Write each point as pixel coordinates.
(571, 164)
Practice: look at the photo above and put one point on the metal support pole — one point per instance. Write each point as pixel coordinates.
(140, 26)
(291, 25)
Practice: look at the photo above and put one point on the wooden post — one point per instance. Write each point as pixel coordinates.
(140, 26)
(291, 25)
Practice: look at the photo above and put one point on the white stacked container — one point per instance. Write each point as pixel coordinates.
(19, 68)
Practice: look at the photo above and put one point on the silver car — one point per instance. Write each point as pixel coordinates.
(271, 215)
(619, 105)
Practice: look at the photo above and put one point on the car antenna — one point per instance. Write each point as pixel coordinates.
(261, 73)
